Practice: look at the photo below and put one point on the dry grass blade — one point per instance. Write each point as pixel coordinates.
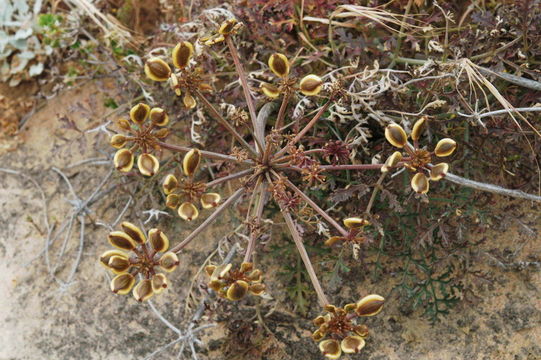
(378, 15)
(108, 24)
(477, 79)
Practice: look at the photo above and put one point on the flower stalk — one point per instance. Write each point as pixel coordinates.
(322, 298)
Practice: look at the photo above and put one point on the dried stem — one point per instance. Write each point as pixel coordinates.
(490, 188)
(208, 220)
(224, 122)
(278, 124)
(304, 256)
(335, 167)
(206, 154)
(282, 111)
(352, 167)
(401, 32)
(374, 193)
(259, 137)
(306, 128)
(230, 177)
(503, 111)
(314, 206)
(258, 213)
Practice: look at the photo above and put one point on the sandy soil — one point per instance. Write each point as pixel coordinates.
(499, 316)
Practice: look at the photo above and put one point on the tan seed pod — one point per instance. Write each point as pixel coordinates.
(162, 133)
(279, 65)
(340, 311)
(216, 285)
(204, 39)
(270, 90)
(419, 183)
(123, 160)
(370, 305)
(318, 335)
(255, 276)
(220, 271)
(119, 264)
(121, 240)
(355, 223)
(122, 284)
(311, 85)
(182, 53)
(391, 161)
(173, 82)
(246, 266)
(257, 289)
(209, 269)
(361, 330)
(333, 240)
(123, 124)
(148, 164)
(191, 161)
(352, 344)
(134, 232)
(215, 39)
(189, 101)
(156, 69)
(418, 128)
(204, 87)
(170, 183)
(227, 26)
(139, 113)
(172, 201)
(396, 135)
(159, 117)
(158, 240)
(187, 211)
(438, 171)
(330, 348)
(143, 290)
(320, 320)
(159, 283)
(237, 290)
(169, 261)
(210, 200)
(330, 308)
(445, 147)
(104, 258)
(118, 141)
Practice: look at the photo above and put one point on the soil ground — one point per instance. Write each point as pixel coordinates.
(499, 316)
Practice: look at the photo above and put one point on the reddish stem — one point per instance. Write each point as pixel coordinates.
(249, 100)
(304, 256)
(306, 128)
(207, 154)
(314, 206)
(229, 177)
(224, 122)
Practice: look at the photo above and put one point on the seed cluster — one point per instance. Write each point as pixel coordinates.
(183, 195)
(186, 78)
(279, 65)
(233, 284)
(355, 234)
(339, 324)
(145, 131)
(418, 160)
(147, 254)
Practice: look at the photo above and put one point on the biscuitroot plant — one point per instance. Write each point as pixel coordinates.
(268, 163)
